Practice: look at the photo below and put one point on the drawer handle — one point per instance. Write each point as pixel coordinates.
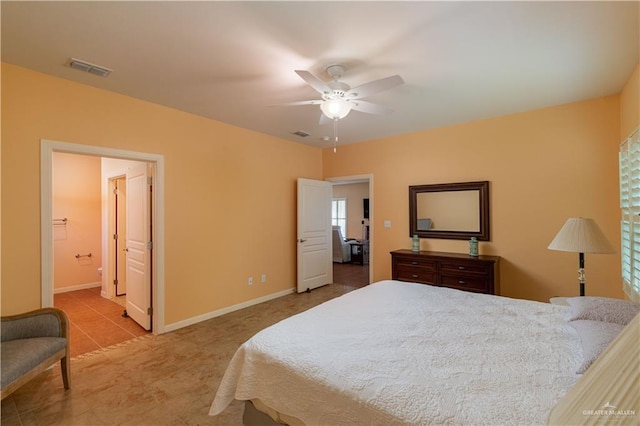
(414, 263)
(414, 276)
(461, 282)
(461, 267)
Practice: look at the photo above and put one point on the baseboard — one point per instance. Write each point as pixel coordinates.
(76, 287)
(223, 311)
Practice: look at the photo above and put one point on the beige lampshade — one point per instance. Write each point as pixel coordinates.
(581, 235)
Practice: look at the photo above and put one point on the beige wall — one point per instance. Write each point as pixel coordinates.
(230, 192)
(544, 166)
(76, 195)
(354, 193)
(630, 105)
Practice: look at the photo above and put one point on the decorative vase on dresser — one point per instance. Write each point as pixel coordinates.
(479, 274)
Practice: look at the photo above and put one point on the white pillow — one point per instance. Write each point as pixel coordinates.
(617, 311)
(595, 336)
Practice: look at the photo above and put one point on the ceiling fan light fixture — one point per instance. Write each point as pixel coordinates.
(335, 108)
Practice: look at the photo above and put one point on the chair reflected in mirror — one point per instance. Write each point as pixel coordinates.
(424, 224)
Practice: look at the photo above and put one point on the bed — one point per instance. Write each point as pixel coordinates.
(404, 353)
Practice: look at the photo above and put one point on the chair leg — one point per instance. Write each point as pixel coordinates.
(64, 366)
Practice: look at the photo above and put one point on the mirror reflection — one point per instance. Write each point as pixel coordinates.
(450, 210)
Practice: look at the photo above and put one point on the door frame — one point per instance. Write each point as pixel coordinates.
(47, 148)
(361, 179)
(109, 213)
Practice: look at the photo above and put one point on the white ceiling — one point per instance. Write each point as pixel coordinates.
(235, 61)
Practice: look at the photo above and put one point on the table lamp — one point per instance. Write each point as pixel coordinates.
(581, 235)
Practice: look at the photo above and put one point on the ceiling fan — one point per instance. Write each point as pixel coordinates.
(338, 98)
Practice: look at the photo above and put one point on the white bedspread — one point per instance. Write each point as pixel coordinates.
(403, 353)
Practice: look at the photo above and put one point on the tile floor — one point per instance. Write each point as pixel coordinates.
(95, 322)
(167, 379)
(351, 274)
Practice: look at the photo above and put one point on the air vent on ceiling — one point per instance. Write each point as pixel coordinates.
(300, 133)
(85, 66)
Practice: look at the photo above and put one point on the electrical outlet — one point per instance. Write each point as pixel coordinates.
(250, 281)
(263, 278)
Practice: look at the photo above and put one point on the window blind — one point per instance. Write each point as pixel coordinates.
(629, 171)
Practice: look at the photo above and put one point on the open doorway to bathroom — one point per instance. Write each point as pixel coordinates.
(352, 232)
(154, 228)
(80, 272)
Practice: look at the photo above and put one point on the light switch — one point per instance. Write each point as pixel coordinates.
(387, 224)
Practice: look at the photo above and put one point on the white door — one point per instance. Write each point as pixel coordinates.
(138, 245)
(315, 267)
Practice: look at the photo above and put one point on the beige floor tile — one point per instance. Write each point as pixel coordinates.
(170, 379)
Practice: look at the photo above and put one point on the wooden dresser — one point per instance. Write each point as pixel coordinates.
(455, 270)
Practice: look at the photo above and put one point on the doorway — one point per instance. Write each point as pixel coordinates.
(118, 228)
(156, 205)
(78, 201)
(356, 192)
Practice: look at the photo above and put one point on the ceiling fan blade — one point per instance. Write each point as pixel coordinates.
(313, 81)
(309, 102)
(372, 87)
(370, 108)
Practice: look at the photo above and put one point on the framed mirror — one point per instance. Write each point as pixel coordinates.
(456, 211)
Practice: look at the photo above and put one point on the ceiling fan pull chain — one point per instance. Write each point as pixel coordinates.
(335, 135)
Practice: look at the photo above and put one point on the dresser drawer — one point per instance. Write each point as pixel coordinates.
(456, 270)
(418, 275)
(415, 262)
(466, 282)
(466, 268)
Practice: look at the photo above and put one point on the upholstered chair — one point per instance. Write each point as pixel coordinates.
(30, 343)
(341, 247)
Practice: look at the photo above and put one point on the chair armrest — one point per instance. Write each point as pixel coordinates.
(45, 322)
